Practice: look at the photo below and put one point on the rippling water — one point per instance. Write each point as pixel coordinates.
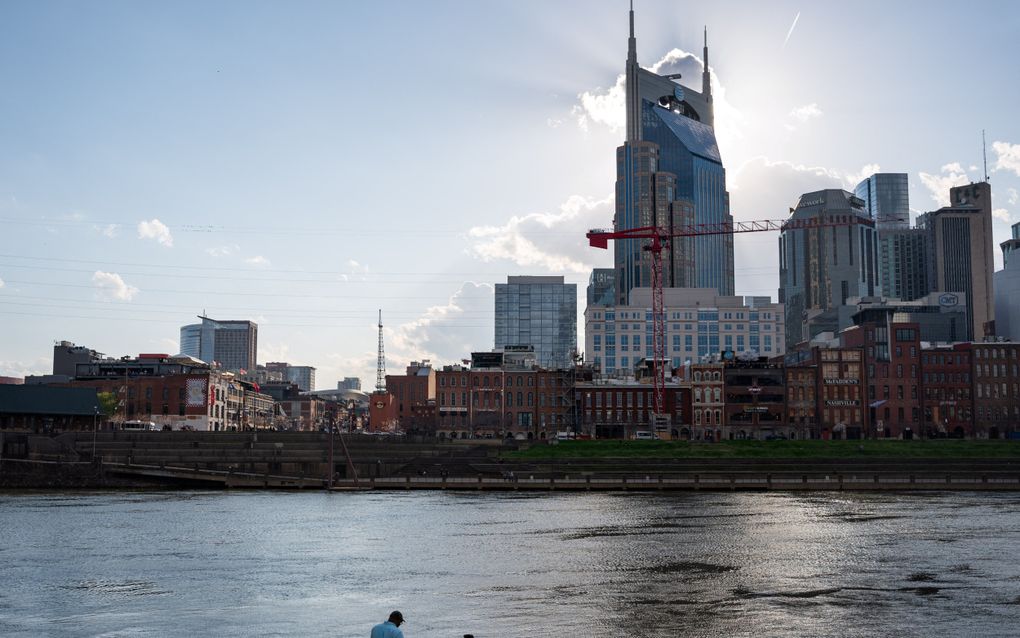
(505, 565)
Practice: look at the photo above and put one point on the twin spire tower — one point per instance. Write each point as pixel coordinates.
(670, 174)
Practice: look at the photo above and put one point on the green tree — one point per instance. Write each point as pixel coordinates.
(107, 403)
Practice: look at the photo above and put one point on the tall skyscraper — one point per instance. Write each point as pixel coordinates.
(539, 312)
(960, 257)
(903, 263)
(233, 344)
(886, 199)
(670, 173)
(902, 251)
(821, 268)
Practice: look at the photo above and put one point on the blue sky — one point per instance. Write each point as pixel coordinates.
(305, 164)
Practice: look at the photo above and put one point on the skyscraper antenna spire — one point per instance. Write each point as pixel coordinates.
(984, 152)
(633, 98)
(706, 77)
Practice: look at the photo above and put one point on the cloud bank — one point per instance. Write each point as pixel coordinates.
(553, 241)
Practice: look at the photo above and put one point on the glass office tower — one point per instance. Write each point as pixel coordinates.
(540, 312)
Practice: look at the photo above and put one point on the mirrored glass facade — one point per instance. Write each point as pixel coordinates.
(540, 312)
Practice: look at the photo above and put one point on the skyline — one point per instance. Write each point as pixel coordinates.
(148, 154)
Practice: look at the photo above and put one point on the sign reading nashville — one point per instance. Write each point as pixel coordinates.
(843, 403)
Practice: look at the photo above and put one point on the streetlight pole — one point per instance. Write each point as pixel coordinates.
(95, 424)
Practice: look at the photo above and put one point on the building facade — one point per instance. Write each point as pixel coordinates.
(886, 198)
(960, 252)
(670, 172)
(1007, 289)
(232, 345)
(622, 408)
(948, 399)
(699, 324)
(820, 268)
(755, 398)
(892, 363)
(903, 263)
(539, 312)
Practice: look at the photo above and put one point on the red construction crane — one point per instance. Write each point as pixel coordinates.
(659, 238)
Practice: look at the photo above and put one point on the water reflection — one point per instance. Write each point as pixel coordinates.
(733, 564)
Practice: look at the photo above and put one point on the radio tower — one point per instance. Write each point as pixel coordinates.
(380, 366)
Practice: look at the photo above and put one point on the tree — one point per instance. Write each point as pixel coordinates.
(107, 403)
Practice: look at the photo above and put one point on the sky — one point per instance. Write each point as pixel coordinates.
(307, 164)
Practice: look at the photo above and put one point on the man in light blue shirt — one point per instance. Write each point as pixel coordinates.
(389, 629)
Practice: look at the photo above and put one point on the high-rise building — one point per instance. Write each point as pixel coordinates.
(886, 199)
(669, 174)
(960, 256)
(903, 263)
(540, 312)
(232, 344)
(1007, 289)
(821, 268)
(902, 251)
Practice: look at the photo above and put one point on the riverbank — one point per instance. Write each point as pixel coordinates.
(311, 461)
(863, 449)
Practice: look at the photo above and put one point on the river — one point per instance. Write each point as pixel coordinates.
(506, 565)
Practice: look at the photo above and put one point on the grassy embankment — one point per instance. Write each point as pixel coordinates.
(942, 449)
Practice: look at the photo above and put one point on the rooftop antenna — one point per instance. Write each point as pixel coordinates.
(380, 366)
(984, 152)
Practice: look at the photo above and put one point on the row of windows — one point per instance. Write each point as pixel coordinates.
(494, 381)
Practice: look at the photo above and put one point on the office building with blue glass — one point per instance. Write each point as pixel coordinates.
(539, 312)
(669, 175)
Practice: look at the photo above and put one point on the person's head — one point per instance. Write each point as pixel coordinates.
(396, 618)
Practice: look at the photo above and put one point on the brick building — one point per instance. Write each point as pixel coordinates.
(707, 399)
(619, 408)
(754, 392)
(892, 361)
(947, 391)
(996, 377)
(414, 397)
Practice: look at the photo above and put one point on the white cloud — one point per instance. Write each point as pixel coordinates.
(853, 179)
(1013, 196)
(110, 230)
(223, 251)
(257, 260)
(2, 283)
(111, 286)
(553, 241)
(607, 107)
(157, 230)
(1002, 215)
(1008, 157)
(938, 185)
(445, 333)
(270, 351)
(41, 365)
(765, 189)
(806, 112)
(553, 122)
